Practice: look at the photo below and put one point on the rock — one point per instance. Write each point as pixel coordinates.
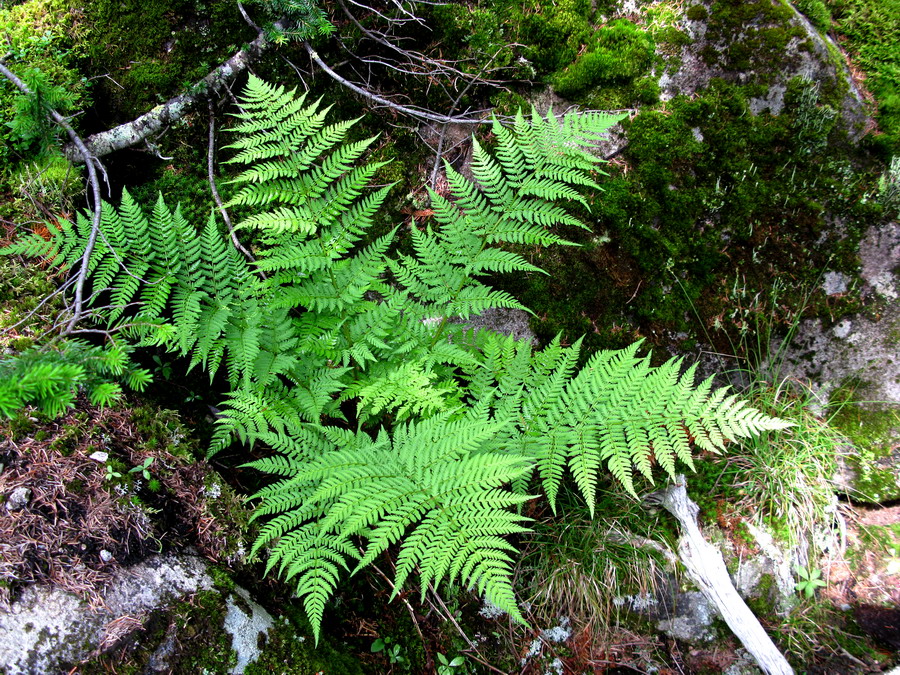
(99, 456)
(808, 54)
(18, 499)
(879, 252)
(505, 322)
(835, 283)
(686, 616)
(855, 365)
(248, 629)
(693, 622)
(48, 628)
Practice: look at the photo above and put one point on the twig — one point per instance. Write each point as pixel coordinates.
(449, 616)
(30, 314)
(437, 158)
(148, 124)
(409, 607)
(94, 181)
(406, 110)
(212, 184)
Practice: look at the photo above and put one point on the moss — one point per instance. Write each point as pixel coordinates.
(22, 288)
(43, 35)
(714, 205)
(871, 32)
(817, 13)
(697, 12)
(152, 49)
(619, 51)
(756, 34)
(873, 430)
(163, 430)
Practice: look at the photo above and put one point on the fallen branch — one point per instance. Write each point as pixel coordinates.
(706, 567)
(148, 124)
(91, 162)
(381, 100)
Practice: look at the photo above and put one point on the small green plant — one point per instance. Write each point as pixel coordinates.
(889, 188)
(51, 377)
(111, 473)
(450, 666)
(143, 469)
(810, 580)
(394, 652)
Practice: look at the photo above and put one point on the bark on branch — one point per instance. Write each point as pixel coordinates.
(150, 123)
(706, 567)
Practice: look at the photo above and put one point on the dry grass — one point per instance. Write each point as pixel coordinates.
(75, 512)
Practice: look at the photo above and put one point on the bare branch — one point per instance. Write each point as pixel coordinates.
(89, 160)
(380, 100)
(212, 184)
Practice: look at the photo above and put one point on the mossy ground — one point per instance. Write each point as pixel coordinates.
(873, 429)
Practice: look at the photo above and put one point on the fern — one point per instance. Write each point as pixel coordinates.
(393, 428)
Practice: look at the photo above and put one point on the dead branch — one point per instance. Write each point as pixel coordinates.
(212, 184)
(148, 124)
(89, 159)
(382, 101)
(706, 567)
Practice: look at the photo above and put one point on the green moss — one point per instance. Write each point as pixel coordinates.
(715, 204)
(619, 51)
(697, 12)
(163, 430)
(873, 430)
(817, 13)
(871, 32)
(22, 288)
(152, 49)
(756, 33)
(43, 35)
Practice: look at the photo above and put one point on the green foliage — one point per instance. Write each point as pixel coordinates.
(619, 52)
(306, 19)
(31, 123)
(393, 427)
(51, 378)
(872, 29)
(817, 13)
(889, 188)
(40, 38)
(810, 580)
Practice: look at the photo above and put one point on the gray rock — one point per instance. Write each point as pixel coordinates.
(809, 57)
(18, 499)
(835, 283)
(506, 322)
(48, 628)
(248, 628)
(879, 252)
(693, 620)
